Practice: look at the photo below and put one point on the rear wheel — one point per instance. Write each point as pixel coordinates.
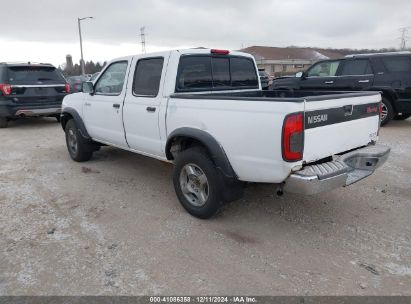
(402, 117)
(3, 122)
(77, 147)
(387, 111)
(197, 183)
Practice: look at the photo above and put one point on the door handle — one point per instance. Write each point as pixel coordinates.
(87, 104)
(116, 105)
(151, 109)
(329, 82)
(363, 81)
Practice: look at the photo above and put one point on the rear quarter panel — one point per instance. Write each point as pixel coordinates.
(249, 132)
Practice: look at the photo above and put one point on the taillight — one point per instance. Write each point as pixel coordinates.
(67, 88)
(5, 89)
(293, 137)
(220, 52)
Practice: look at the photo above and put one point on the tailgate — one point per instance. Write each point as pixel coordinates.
(38, 94)
(339, 123)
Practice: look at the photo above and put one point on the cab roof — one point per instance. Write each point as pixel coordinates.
(187, 52)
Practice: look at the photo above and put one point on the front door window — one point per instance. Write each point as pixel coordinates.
(324, 69)
(112, 80)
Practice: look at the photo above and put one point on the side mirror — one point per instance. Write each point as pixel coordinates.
(88, 87)
(299, 75)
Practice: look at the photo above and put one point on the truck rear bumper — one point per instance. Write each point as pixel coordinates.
(345, 170)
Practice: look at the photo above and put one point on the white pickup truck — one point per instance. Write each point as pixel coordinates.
(204, 110)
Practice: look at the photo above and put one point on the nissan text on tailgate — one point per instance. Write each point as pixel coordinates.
(204, 111)
(28, 90)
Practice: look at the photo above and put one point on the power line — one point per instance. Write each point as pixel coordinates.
(143, 39)
(404, 37)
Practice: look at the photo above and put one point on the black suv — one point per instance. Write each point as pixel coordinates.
(264, 79)
(28, 89)
(389, 73)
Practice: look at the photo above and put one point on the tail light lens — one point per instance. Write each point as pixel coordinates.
(220, 52)
(5, 89)
(67, 88)
(293, 137)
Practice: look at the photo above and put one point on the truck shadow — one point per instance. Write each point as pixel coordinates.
(260, 201)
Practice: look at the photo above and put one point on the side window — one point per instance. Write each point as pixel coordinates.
(324, 69)
(194, 73)
(112, 80)
(356, 67)
(397, 64)
(147, 76)
(243, 73)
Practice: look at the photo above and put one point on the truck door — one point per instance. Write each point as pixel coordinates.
(142, 105)
(102, 110)
(355, 75)
(321, 76)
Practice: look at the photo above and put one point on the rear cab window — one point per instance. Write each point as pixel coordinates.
(33, 74)
(147, 76)
(215, 73)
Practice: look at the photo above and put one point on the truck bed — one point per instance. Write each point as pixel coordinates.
(276, 95)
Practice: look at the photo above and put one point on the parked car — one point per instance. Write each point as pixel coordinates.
(389, 73)
(161, 107)
(28, 89)
(264, 79)
(76, 83)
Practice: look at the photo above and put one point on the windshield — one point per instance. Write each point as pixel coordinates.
(34, 75)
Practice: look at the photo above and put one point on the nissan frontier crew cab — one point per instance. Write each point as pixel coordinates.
(204, 111)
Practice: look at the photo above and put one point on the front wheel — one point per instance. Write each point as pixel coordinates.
(387, 111)
(196, 182)
(78, 149)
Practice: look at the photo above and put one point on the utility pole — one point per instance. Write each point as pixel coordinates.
(143, 39)
(404, 38)
(83, 72)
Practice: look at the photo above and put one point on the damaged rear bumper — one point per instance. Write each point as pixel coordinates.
(345, 170)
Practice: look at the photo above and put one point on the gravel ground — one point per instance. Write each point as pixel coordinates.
(113, 226)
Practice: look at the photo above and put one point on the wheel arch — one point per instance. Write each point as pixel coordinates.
(70, 113)
(186, 137)
(388, 93)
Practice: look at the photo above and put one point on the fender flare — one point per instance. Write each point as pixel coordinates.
(66, 113)
(214, 148)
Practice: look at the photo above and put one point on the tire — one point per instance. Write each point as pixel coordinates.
(57, 118)
(402, 117)
(197, 183)
(3, 122)
(77, 147)
(388, 111)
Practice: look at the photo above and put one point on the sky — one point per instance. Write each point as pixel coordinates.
(46, 30)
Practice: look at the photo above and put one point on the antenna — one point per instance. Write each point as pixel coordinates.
(143, 39)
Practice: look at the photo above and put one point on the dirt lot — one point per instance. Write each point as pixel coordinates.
(114, 226)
